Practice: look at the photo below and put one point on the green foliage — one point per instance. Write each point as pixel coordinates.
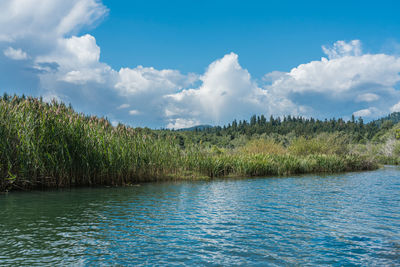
(397, 134)
(329, 144)
(299, 126)
(262, 146)
(49, 145)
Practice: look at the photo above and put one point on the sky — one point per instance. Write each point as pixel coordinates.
(176, 64)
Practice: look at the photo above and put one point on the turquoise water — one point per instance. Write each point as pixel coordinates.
(345, 219)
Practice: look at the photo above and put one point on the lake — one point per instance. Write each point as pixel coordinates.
(342, 219)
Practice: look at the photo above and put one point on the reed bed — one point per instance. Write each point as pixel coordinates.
(46, 145)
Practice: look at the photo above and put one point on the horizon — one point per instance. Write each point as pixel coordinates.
(182, 64)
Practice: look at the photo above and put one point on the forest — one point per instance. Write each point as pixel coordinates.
(49, 145)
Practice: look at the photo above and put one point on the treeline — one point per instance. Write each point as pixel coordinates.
(281, 129)
(300, 126)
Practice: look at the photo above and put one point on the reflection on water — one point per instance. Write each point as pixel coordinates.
(340, 219)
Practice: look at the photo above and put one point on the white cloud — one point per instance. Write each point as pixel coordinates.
(145, 80)
(50, 97)
(342, 49)
(16, 54)
(362, 113)
(273, 76)
(68, 67)
(336, 86)
(226, 89)
(341, 75)
(134, 112)
(57, 58)
(80, 50)
(395, 108)
(182, 123)
(227, 92)
(368, 112)
(78, 62)
(47, 19)
(5, 38)
(367, 97)
(225, 85)
(123, 106)
(81, 14)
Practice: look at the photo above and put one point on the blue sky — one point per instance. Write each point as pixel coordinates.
(180, 63)
(268, 35)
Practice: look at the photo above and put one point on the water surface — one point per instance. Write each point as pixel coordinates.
(346, 219)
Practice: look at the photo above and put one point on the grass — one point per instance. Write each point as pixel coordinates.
(44, 145)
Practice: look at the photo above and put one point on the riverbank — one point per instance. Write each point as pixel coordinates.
(49, 145)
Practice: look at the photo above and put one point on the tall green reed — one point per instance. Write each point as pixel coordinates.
(50, 145)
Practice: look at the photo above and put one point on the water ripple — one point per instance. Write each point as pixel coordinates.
(347, 219)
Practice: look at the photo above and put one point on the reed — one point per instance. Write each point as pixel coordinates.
(46, 145)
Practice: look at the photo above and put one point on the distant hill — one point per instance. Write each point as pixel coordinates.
(196, 128)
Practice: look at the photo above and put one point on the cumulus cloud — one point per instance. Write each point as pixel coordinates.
(226, 89)
(77, 59)
(396, 107)
(134, 112)
(180, 123)
(44, 37)
(341, 75)
(368, 112)
(367, 97)
(144, 80)
(16, 54)
(44, 32)
(47, 19)
(225, 85)
(342, 49)
(338, 85)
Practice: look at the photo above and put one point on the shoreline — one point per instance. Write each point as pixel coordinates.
(188, 179)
